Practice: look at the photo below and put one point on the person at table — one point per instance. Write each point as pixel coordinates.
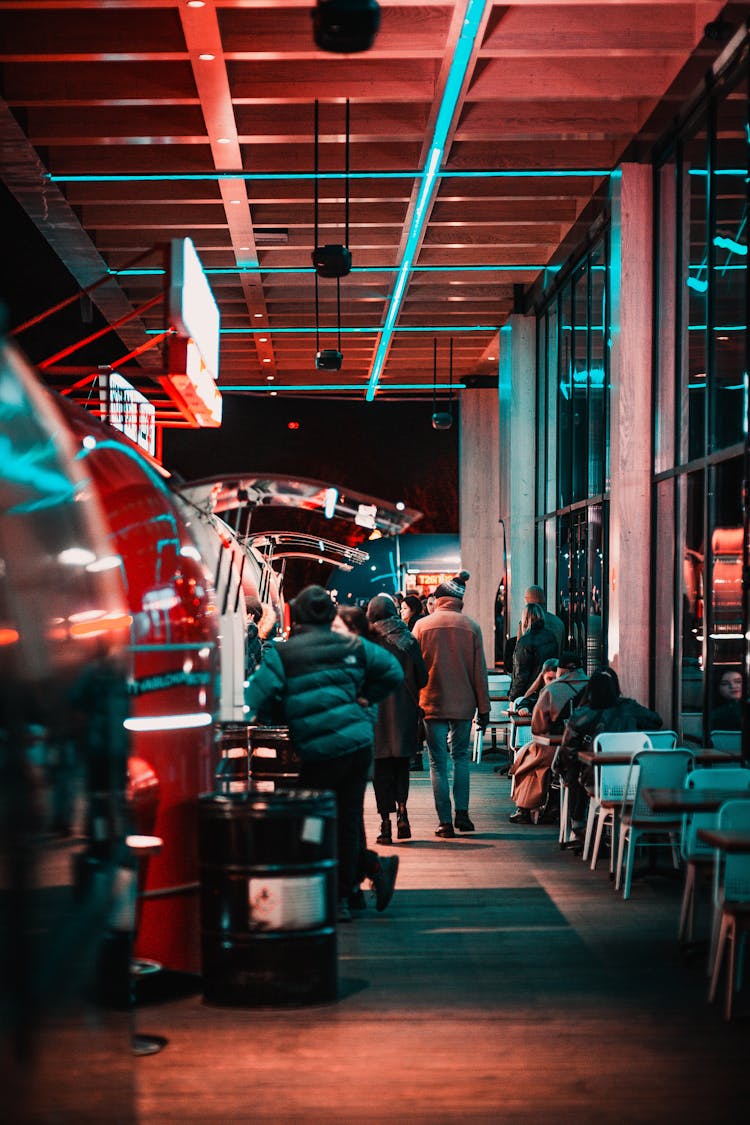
(726, 714)
(531, 769)
(525, 705)
(536, 644)
(602, 709)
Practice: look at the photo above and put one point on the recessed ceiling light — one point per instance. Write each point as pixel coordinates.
(263, 339)
(244, 247)
(207, 57)
(266, 361)
(224, 140)
(196, 3)
(235, 200)
(273, 392)
(270, 378)
(490, 357)
(257, 315)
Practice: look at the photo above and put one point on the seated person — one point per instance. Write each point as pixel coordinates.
(525, 705)
(531, 769)
(602, 708)
(726, 714)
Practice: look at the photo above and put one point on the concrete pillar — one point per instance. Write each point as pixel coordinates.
(481, 542)
(517, 393)
(630, 426)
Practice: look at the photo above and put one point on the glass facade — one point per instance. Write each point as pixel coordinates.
(699, 613)
(572, 453)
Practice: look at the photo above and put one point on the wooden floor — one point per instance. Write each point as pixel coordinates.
(506, 982)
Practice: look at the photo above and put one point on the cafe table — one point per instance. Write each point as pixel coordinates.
(622, 757)
(734, 840)
(689, 800)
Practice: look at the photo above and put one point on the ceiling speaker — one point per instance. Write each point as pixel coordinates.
(332, 261)
(345, 27)
(328, 360)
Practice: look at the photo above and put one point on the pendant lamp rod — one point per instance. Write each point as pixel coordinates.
(346, 182)
(434, 373)
(316, 170)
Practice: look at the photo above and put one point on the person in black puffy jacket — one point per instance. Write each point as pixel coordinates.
(536, 644)
(325, 682)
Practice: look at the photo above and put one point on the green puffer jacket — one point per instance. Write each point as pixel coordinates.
(318, 676)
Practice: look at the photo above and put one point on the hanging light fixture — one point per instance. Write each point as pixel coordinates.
(333, 260)
(441, 419)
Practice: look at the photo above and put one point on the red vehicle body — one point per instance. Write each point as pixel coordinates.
(172, 680)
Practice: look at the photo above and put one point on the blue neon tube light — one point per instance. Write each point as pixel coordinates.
(456, 77)
(277, 387)
(157, 271)
(301, 177)
(372, 330)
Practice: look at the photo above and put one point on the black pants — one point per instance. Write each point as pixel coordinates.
(391, 784)
(347, 778)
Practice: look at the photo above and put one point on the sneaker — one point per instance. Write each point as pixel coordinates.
(520, 816)
(445, 830)
(462, 822)
(385, 836)
(384, 881)
(343, 913)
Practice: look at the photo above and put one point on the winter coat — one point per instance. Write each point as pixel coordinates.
(453, 652)
(531, 651)
(319, 677)
(587, 722)
(554, 703)
(398, 715)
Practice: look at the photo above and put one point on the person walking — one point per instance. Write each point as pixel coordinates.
(396, 729)
(453, 652)
(534, 595)
(411, 610)
(325, 682)
(535, 645)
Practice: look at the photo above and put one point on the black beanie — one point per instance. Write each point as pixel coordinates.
(455, 587)
(381, 607)
(312, 606)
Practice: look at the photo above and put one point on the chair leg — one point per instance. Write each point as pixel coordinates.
(603, 814)
(590, 818)
(732, 942)
(687, 910)
(624, 836)
(718, 957)
(563, 835)
(630, 862)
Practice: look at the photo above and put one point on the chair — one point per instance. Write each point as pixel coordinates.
(609, 789)
(732, 899)
(694, 852)
(662, 739)
(726, 739)
(497, 684)
(656, 769)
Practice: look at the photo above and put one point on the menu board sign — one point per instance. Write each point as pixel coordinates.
(127, 410)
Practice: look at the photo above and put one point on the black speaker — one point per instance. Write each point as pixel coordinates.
(328, 360)
(332, 261)
(345, 27)
(442, 420)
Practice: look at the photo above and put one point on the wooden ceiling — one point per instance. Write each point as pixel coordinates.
(172, 90)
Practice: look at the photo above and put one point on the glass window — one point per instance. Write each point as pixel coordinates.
(565, 398)
(726, 645)
(580, 365)
(696, 272)
(664, 419)
(664, 586)
(729, 272)
(693, 604)
(598, 378)
(552, 361)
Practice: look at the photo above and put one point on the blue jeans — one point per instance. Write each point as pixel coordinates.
(444, 737)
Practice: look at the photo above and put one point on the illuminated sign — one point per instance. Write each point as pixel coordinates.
(192, 308)
(190, 385)
(365, 516)
(127, 410)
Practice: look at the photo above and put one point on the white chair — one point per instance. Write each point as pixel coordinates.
(662, 739)
(497, 685)
(730, 740)
(609, 790)
(732, 899)
(656, 769)
(695, 853)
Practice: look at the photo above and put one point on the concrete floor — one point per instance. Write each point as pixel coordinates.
(505, 983)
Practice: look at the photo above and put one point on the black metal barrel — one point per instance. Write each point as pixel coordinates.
(268, 871)
(274, 763)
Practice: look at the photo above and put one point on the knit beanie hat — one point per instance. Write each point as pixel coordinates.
(454, 587)
(380, 607)
(312, 606)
